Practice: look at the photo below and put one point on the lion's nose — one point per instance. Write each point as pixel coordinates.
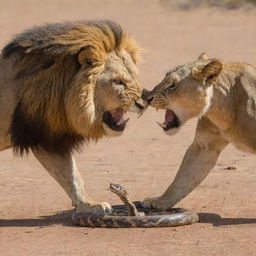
(150, 99)
(145, 94)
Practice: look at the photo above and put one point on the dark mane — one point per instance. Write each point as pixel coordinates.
(30, 133)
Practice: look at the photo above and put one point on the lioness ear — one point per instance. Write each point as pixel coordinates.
(203, 56)
(208, 72)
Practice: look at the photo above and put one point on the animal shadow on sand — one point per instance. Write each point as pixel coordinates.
(59, 218)
(64, 218)
(217, 220)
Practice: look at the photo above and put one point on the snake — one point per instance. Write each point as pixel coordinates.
(135, 215)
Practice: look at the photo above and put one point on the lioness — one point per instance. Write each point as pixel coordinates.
(224, 99)
(64, 84)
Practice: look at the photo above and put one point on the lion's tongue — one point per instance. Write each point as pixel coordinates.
(118, 116)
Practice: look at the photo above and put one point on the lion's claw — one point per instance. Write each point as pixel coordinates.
(96, 209)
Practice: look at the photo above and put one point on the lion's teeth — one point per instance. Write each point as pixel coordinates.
(161, 125)
(123, 121)
(120, 122)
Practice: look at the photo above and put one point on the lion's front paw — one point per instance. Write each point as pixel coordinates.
(98, 209)
(156, 202)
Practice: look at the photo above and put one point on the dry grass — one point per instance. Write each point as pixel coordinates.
(224, 4)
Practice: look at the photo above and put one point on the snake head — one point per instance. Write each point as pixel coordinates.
(118, 189)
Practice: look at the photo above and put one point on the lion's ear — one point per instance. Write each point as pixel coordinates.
(85, 57)
(208, 72)
(90, 57)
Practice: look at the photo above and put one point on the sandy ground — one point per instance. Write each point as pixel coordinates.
(35, 212)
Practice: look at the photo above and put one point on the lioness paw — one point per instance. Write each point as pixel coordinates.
(155, 202)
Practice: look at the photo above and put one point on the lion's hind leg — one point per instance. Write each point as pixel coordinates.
(63, 169)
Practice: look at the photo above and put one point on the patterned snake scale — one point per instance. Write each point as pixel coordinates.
(143, 217)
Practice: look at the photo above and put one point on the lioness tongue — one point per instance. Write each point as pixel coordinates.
(169, 116)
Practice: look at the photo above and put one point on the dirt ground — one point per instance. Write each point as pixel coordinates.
(34, 210)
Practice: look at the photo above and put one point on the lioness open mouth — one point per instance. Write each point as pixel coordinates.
(171, 121)
(115, 119)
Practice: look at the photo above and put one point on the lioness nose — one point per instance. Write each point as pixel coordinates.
(146, 96)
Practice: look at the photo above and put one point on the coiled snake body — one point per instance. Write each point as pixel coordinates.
(133, 214)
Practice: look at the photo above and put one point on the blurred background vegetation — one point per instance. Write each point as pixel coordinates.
(225, 4)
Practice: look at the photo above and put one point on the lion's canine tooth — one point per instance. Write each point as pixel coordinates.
(161, 125)
(122, 121)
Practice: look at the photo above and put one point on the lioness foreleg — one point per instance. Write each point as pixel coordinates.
(64, 170)
(198, 161)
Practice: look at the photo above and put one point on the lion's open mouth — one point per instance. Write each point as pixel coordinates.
(171, 121)
(115, 119)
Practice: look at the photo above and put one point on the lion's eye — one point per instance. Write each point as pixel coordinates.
(119, 82)
(89, 62)
(172, 86)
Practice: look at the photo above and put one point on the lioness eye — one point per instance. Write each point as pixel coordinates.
(172, 86)
(119, 82)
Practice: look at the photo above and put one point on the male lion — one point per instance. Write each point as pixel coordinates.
(62, 85)
(224, 99)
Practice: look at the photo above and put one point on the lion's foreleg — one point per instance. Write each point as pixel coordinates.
(198, 161)
(4, 147)
(64, 170)
(5, 143)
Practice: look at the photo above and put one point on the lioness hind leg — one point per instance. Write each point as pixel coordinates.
(63, 169)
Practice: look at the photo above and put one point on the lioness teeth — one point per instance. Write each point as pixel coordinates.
(162, 125)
